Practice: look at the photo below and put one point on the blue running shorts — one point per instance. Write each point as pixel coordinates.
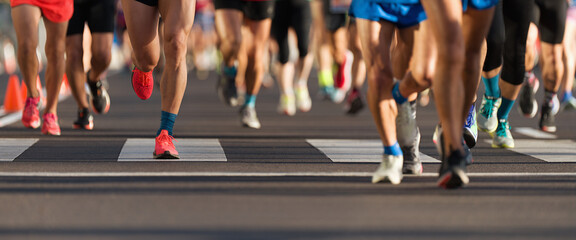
(401, 14)
(479, 4)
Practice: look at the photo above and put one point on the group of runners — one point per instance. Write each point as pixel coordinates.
(401, 47)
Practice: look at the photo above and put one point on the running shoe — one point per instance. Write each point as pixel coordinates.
(354, 102)
(85, 120)
(407, 130)
(487, 119)
(411, 154)
(437, 137)
(547, 119)
(568, 104)
(100, 97)
(227, 91)
(31, 113)
(287, 105)
(326, 93)
(249, 118)
(453, 170)
(50, 124)
(390, 168)
(303, 101)
(164, 148)
(142, 83)
(527, 98)
(503, 137)
(470, 132)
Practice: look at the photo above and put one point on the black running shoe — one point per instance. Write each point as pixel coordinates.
(527, 96)
(100, 97)
(453, 170)
(354, 102)
(547, 119)
(85, 120)
(227, 91)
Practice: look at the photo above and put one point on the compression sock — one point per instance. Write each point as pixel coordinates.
(167, 122)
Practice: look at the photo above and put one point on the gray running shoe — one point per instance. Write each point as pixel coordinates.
(503, 137)
(249, 118)
(406, 128)
(487, 120)
(390, 168)
(411, 154)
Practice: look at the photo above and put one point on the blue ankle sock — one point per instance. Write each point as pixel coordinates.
(230, 71)
(393, 150)
(167, 122)
(505, 108)
(491, 86)
(396, 94)
(250, 100)
(566, 96)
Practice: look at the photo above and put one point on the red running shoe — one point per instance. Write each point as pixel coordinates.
(31, 114)
(142, 83)
(50, 125)
(164, 148)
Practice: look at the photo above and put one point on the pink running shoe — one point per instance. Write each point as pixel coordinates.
(164, 148)
(142, 83)
(31, 114)
(50, 126)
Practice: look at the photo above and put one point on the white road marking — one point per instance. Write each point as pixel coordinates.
(534, 133)
(263, 174)
(356, 151)
(11, 148)
(197, 150)
(546, 150)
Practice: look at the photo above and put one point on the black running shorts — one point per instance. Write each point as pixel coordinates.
(99, 14)
(253, 10)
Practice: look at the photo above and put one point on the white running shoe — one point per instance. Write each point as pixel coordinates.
(487, 120)
(287, 105)
(249, 118)
(390, 168)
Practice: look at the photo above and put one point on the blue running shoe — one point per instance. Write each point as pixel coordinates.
(471, 128)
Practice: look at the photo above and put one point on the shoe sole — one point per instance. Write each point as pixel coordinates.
(84, 127)
(166, 155)
(469, 139)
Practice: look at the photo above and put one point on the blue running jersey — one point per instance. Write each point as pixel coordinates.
(402, 13)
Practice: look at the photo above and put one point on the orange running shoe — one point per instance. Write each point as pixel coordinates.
(142, 83)
(31, 114)
(164, 148)
(50, 125)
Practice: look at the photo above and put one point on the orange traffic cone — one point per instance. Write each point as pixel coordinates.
(12, 99)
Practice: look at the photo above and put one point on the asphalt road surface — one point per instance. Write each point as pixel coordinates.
(301, 177)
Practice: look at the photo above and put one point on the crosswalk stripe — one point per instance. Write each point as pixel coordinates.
(197, 150)
(11, 148)
(534, 133)
(548, 150)
(355, 150)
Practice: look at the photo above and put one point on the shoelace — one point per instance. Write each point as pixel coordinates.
(501, 131)
(487, 109)
(30, 110)
(166, 140)
(143, 77)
